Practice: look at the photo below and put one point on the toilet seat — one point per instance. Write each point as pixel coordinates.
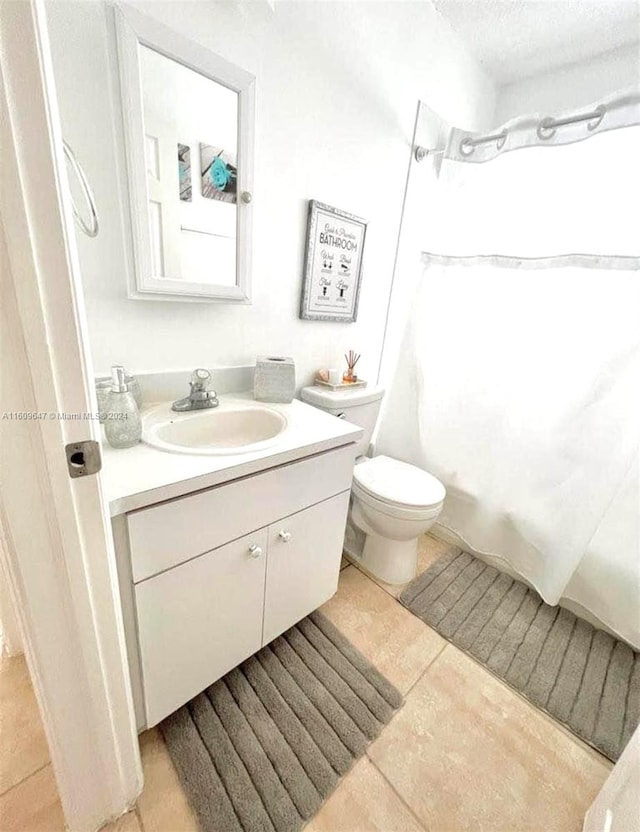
(399, 512)
(397, 488)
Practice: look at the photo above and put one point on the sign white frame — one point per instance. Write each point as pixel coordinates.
(333, 264)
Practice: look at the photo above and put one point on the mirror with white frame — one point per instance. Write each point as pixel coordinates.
(189, 124)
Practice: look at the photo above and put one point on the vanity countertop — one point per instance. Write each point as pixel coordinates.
(143, 475)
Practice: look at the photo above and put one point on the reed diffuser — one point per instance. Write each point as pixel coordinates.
(349, 376)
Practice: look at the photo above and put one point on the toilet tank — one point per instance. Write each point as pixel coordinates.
(360, 407)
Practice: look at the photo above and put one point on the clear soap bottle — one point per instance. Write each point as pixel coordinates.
(122, 427)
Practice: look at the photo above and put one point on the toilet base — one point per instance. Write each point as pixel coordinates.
(392, 561)
(393, 555)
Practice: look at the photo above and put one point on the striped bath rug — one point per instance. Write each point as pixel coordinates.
(585, 678)
(262, 748)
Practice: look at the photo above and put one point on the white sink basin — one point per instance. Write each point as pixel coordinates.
(231, 428)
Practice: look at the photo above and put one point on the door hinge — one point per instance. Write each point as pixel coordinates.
(83, 458)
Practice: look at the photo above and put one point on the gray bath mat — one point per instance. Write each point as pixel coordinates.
(582, 676)
(264, 746)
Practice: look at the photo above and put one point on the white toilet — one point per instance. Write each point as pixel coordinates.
(392, 502)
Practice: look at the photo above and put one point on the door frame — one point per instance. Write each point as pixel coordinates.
(58, 555)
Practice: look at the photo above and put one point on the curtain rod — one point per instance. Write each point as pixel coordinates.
(546, 129)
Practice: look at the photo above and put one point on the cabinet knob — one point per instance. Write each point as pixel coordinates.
(255, 551)
(284, 536)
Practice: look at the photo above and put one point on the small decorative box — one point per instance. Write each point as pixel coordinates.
(274, 379)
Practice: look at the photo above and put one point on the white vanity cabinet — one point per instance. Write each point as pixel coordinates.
(209, 578)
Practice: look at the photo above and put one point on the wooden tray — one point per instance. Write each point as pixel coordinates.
(342, 386)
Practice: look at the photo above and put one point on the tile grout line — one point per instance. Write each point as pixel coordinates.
(398, 795)
(404, 697)
(437, 655)
(370, 577)
(421, 676)
(373, 762)
(428, 666)
(569, 734)
(577, 741)
(538, 710)
(24, 779)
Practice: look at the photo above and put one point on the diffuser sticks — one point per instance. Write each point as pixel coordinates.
(349, 376)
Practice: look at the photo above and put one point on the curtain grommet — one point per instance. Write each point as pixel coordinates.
(467, 147)
(545, 129)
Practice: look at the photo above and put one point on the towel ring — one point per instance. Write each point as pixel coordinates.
(90, 230)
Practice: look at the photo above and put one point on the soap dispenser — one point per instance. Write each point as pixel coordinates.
(122, 427)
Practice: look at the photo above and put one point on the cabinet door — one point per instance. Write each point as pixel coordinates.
(199, 620)
(303, 563)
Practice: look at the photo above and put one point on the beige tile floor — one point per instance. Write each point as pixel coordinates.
(28, 796)
(464, 752)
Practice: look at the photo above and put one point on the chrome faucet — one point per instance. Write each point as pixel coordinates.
(200, 397)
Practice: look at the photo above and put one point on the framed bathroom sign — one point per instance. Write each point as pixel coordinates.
(333, 264)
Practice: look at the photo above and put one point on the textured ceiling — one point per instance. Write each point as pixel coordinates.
(515, 39)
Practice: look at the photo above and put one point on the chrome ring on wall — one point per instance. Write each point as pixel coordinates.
(90, 230)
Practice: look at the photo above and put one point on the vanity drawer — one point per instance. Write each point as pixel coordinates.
(170, 533)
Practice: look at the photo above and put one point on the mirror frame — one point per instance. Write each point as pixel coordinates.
(134, 29)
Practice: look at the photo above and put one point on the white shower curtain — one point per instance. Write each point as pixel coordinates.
(519, 384)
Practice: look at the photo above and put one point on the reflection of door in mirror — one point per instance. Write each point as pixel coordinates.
(188, 119)
(191, 149)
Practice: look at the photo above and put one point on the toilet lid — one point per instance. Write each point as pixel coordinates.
(398, 482)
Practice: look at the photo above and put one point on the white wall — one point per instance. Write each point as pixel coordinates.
(337, 86)
(573, 86)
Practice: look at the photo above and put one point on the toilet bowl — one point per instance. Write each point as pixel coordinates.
(392, 502)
